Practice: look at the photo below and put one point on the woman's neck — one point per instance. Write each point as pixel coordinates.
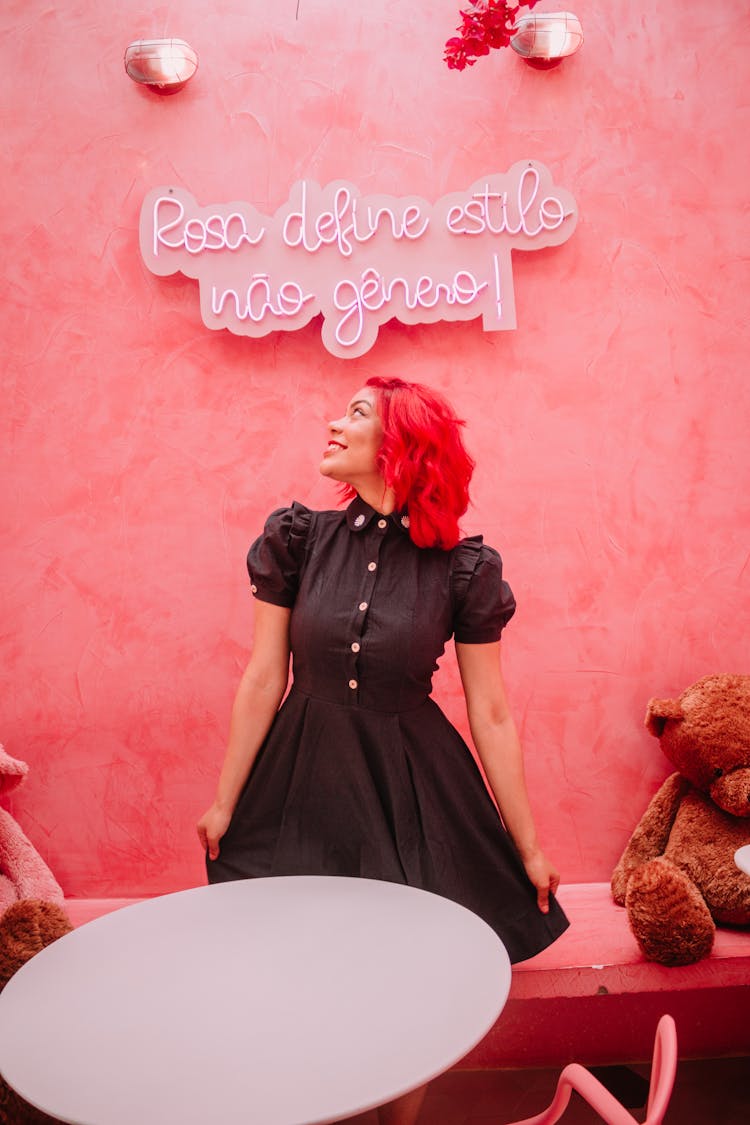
(380, 498)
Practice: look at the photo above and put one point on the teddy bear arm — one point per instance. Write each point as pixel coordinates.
(22, 865)
(650, 836)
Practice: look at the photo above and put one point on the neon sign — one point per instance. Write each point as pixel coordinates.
(357, 260)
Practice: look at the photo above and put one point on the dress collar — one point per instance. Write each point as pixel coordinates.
(360, 515)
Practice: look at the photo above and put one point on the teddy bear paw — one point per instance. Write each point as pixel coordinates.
(668, 915)
(26, 928)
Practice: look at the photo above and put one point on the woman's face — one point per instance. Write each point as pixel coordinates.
(353, 443)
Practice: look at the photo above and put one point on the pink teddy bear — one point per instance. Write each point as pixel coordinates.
(31, 916)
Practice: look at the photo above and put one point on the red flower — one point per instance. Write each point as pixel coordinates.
(486, 25)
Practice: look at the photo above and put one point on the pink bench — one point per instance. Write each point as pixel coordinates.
(592, 996)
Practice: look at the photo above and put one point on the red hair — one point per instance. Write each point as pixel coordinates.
(422, 458)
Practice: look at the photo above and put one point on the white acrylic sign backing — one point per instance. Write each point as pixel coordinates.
(358, 260)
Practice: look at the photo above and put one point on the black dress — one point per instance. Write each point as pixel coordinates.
(361, 774)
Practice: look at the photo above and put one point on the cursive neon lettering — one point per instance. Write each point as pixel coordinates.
(525, 204)
(194, 236)
(551, 214)
(465, 287)
(371, 291)
(454, 216)
(358, 260)
(412, 215)
(488, 211)
(160, 229)
(352, 308)
(298, 217)
(374, 221)
(198, 234)
(475, 213)
(343, 200)
(259, 300)
(498, 287)
(243, 235)
(348, 222)
(374, 292)
(291, 298)
(325, 227)
(502, 225)
(214, 232)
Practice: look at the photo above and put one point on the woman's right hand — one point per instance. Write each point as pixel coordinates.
(211, 827)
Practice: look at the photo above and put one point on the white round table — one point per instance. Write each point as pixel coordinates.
(286, 1001)
(742, 858)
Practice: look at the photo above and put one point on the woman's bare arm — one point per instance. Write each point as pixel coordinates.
(496, 739)
(259, 694)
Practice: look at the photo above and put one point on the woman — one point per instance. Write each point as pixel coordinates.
(359, 773)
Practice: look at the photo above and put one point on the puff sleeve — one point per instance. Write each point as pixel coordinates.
(275, 558)
(483, 601)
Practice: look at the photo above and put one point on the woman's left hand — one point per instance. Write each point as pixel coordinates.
(545, 877)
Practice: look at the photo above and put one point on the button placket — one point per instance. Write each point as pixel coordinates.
(372, 555)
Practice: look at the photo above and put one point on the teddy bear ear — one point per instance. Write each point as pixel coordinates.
(12, 771)
(659, 711)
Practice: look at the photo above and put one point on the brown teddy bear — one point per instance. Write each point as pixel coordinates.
(31, 916)
(677, 876)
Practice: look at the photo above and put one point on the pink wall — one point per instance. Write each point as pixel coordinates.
(141, 451)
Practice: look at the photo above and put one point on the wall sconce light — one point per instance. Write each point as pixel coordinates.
(544, 39)
(164, 65)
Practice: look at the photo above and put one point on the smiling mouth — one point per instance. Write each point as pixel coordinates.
(333, 446)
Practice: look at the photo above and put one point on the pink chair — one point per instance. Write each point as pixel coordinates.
(576, 1077)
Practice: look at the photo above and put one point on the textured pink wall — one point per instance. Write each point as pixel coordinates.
(141, 452)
